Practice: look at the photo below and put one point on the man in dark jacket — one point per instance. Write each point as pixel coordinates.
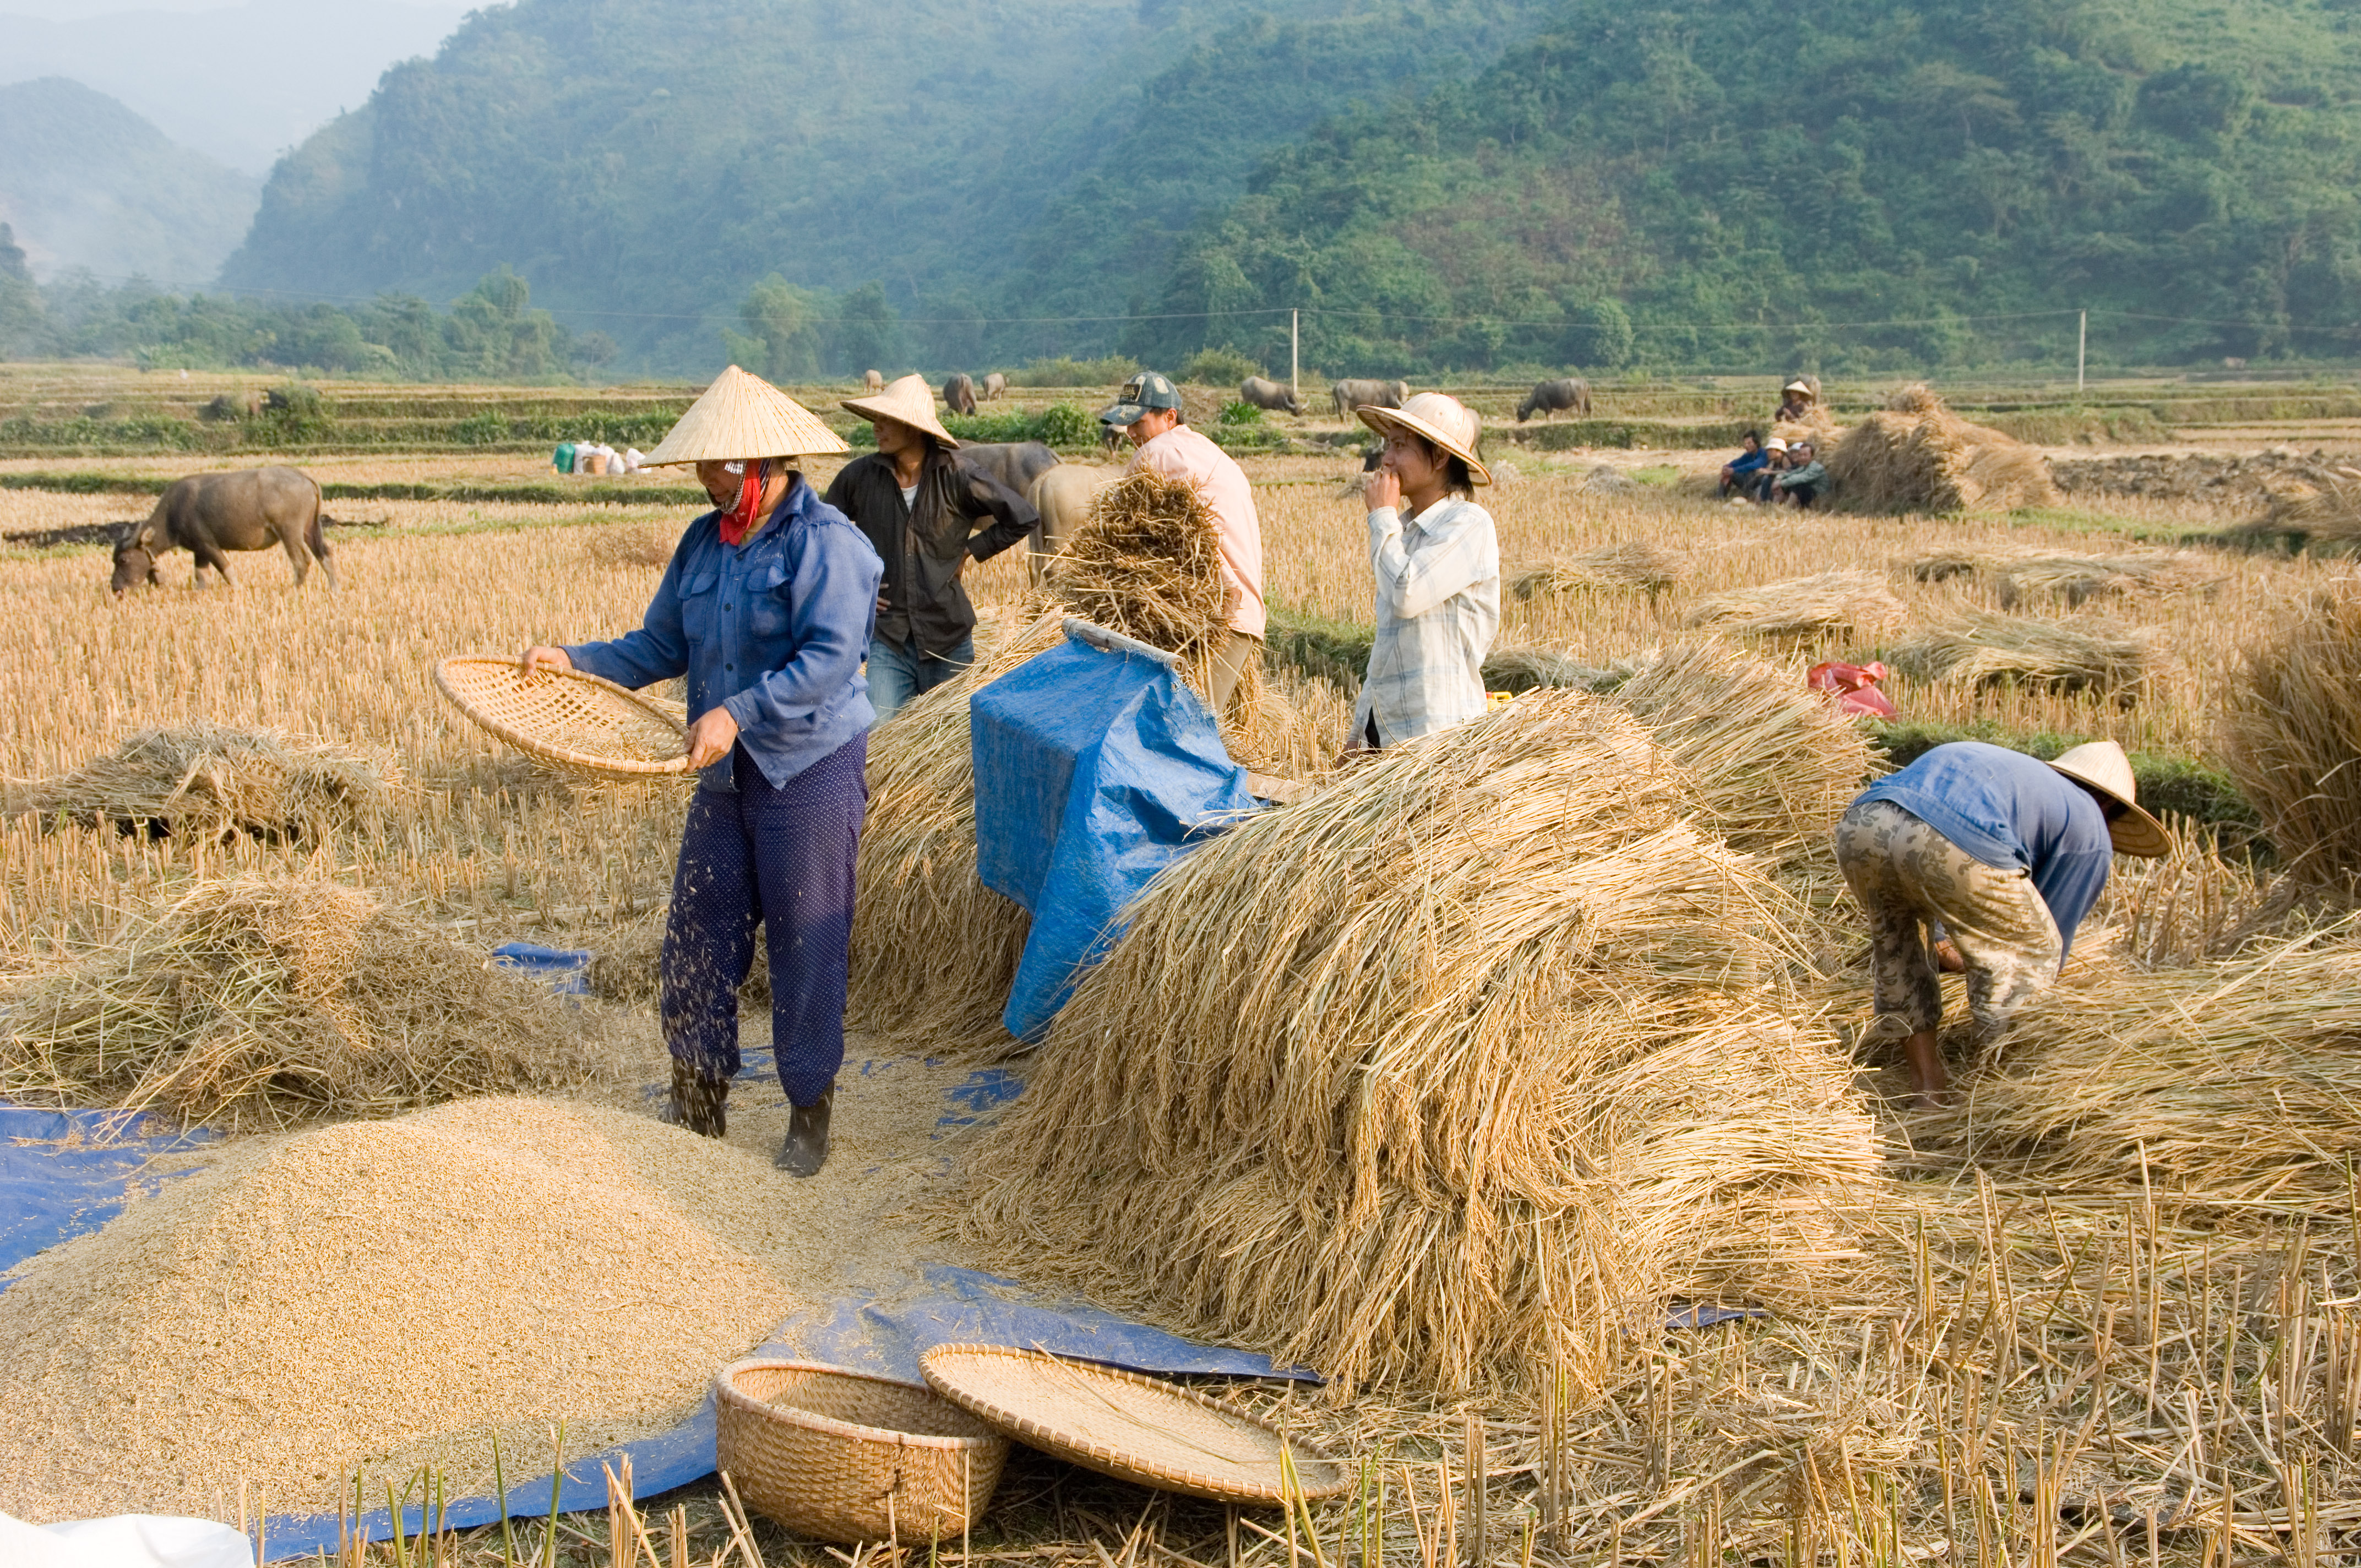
(928, 516)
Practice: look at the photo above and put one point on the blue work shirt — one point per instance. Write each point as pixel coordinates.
(2012, 811)
(772, 628)
(1749, 462)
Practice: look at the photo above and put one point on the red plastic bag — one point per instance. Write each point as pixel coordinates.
(1854, 687)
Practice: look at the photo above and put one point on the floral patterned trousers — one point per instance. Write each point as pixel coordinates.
(1909, 877)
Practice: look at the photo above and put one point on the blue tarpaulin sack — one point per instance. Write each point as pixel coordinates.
(1095, 768)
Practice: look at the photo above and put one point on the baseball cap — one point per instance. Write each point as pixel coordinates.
(1144, 391)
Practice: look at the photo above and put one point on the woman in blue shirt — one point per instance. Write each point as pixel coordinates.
(1999, 853)
(766, 609)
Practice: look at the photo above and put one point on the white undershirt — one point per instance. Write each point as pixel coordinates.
(910, 494)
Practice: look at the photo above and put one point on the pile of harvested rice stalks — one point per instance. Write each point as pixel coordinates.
(207, 781)
(1457, 1070)
(1147, 563)
(1846, 601)
(1917, 456)
(2319, 515)
(2234, 1082)
(1525, 669)
(2290, 730)
(1978, 647)
(262, 1001)
(1629, 565)
(2021, 575)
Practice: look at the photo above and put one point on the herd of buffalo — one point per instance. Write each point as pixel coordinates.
(211, 514)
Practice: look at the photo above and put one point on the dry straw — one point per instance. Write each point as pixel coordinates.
(2017, 576)
(1632, 563)
(2291, 734)
(207, 781)
(2321, 516)
(2234, 1081)
(1828, 603)
(628, 966)
(1977, 648)
(1464, 1063)
(261, 1001)
(1917, 456)
(1147, 563)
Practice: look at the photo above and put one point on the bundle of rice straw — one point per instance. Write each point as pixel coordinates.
(2234, 1081)
(202, 780)
(1850, 600)
(1917, 456)
(1629, 565)
(261, 1001)
(1147, 563)
(1461, 1067)
(2291, 730)
(1771, 763)
(2319, 516)
(1977, 647)
(2019, 576)
(627, 965)
(1524, 669)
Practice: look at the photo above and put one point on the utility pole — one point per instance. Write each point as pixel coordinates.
(2081, 346)
(1294, 358)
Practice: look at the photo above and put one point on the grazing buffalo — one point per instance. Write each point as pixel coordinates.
(206, 514)
(1062, 496)
(995, 384)
(872, 381)
(1351, 395)
(1111, 438)
(1016, 464)
(1567, 394)
(959, 394)
(1266, 394)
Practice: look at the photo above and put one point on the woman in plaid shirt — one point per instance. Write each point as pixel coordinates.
(1437, 563)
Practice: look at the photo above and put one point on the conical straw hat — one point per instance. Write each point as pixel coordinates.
(908, 400)
(743, 416)
(2101, 765)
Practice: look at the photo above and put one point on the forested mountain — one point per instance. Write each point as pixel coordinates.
(645, 162)
(1738, 183)
(85, 182)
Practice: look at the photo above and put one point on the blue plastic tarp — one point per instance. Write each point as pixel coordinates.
(65, 1172)
(1094, 770)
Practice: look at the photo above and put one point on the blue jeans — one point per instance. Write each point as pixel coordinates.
(783, 859)
(898, 671)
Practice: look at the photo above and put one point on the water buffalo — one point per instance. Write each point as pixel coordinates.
(959, 394)
(1062, 496)
(1351, 395)
(206, 514)
(995, 384)
(1568, 394)
(1265, 394)
(1016, 464)
(870, 381)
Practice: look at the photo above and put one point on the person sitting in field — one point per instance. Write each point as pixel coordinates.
(1795, 403)
(1739, 470)
(1757, 484)
(1998, 856)
(1800, 483)
(1437, 565)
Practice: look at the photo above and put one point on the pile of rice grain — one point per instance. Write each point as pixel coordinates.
(386, 1296)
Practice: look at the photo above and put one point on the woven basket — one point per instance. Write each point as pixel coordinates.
(845, 1456)
(576, 719)
(1129, 1426)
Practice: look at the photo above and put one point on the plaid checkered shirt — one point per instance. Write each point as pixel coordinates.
(1438, 604)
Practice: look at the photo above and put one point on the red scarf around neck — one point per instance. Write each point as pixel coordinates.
(743, 518)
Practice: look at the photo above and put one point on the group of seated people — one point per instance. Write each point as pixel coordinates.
(1771, 472)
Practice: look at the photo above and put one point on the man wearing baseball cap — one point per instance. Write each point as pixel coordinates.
(1149, 410)
(1998, 856)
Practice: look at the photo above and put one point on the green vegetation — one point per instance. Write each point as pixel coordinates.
(1730, 174)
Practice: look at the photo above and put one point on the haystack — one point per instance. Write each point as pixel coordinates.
(2319, 514)
(203, 780)
(1629, 565)
(2019, 577)
(1979, 648)
(261, 1001)
(2236, 1082)
(1917, 456)
(2291, 730)
(1464, 1066)
(1852, 600)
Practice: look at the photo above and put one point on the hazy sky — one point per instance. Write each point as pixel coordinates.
(241, 82)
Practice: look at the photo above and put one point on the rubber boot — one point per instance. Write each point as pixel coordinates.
(699, 1102)
(806, 1149)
